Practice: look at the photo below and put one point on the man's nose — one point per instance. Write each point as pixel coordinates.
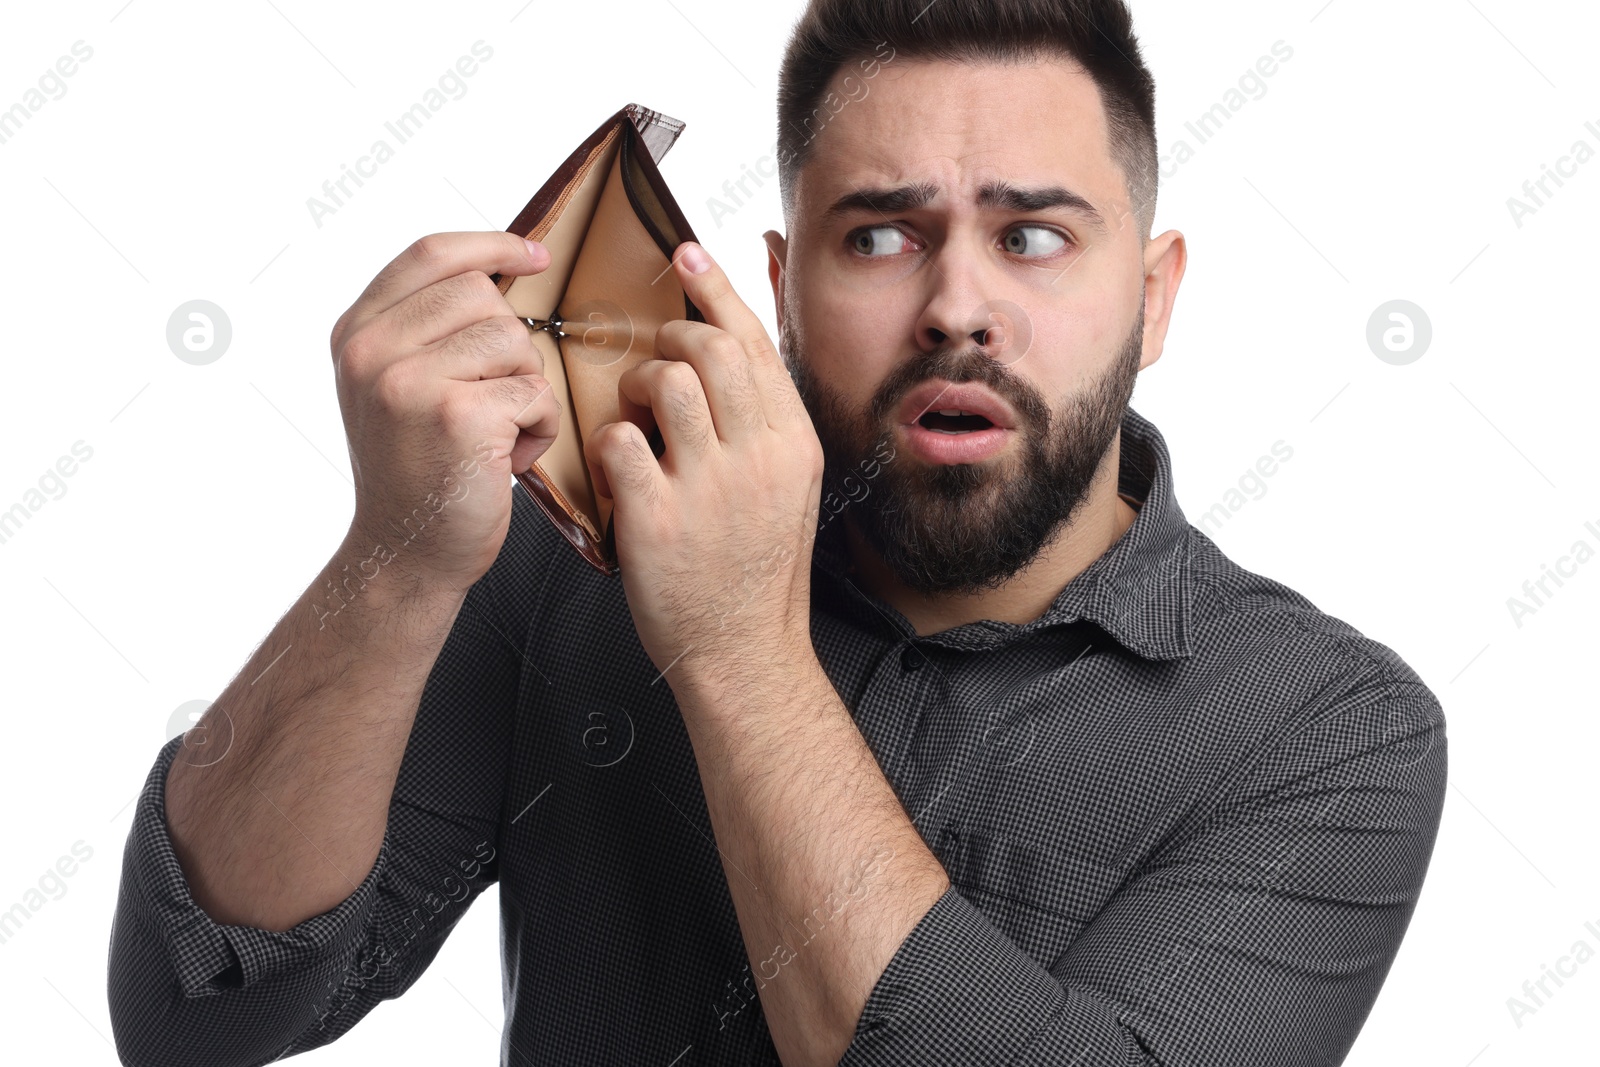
(967, 304)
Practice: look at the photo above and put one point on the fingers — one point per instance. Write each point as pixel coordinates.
(431, 314)
(620, 461)
(710, 291)
(490, 348)
(726, 374)
(708, 287)
(526, 402)
(667, 395)
(436, 257)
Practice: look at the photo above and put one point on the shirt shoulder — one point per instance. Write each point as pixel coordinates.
(1298, 700)
(1265, 629)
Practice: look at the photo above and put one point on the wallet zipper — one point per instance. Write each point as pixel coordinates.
(552, 325)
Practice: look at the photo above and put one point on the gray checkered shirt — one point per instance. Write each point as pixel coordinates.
(1185, 814)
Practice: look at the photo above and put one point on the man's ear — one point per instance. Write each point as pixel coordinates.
(1165, 260)
(777, 253)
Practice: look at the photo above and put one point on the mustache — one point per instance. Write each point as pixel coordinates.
(969, 364)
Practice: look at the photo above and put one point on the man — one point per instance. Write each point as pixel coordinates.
(920, 728)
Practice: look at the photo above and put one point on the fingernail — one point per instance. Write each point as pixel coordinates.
(534, 248)
(696, 258)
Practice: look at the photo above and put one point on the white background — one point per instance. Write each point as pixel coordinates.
(1377, 166)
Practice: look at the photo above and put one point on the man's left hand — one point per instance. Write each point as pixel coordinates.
(714, 538)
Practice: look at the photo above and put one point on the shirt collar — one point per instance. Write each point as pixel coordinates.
(1137, 591)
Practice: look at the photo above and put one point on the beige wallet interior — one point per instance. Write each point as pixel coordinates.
(611, 284)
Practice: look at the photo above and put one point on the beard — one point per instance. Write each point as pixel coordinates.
(958, 529)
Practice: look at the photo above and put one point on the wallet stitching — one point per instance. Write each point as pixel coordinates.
(571, 512)
(549, 218)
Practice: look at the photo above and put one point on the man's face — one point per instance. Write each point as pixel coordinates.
(891, 302)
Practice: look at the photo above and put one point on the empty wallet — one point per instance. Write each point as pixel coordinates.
(611, 227)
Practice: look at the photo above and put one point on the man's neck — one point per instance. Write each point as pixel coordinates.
(1097, 525)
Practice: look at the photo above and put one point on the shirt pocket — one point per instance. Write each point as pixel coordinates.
(1040, 897)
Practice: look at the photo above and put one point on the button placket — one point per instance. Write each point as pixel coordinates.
(889, 710)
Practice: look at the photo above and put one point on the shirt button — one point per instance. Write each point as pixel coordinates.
(912, 658)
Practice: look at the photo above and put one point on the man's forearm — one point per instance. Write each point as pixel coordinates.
(826, 871)
(277, 805)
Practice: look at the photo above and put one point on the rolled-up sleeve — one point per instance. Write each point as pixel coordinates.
(208, 957)
(959, 991)
(184, 990)
(1261, 933)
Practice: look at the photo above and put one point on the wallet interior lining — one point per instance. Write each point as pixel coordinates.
(562, 232)
(621, 292)
(611, 229)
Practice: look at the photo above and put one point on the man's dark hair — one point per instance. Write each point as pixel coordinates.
(1096, 34)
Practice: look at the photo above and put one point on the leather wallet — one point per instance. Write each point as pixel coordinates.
(611, 227)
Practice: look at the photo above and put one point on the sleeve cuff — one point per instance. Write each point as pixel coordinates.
(959, 991)
(206, 956)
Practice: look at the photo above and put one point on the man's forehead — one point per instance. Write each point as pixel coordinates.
(998, 195)
(962, 127)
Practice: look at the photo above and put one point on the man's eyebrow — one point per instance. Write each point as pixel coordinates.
(1009, 197)
(891, 200)
(884, 200)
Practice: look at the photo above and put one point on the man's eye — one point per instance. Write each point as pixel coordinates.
(880, 241)
(1034, 241)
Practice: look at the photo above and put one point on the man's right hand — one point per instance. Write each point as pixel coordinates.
(443, 397)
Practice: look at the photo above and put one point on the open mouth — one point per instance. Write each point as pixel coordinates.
(953, 421)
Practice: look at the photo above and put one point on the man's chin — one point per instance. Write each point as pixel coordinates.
(957, 484)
